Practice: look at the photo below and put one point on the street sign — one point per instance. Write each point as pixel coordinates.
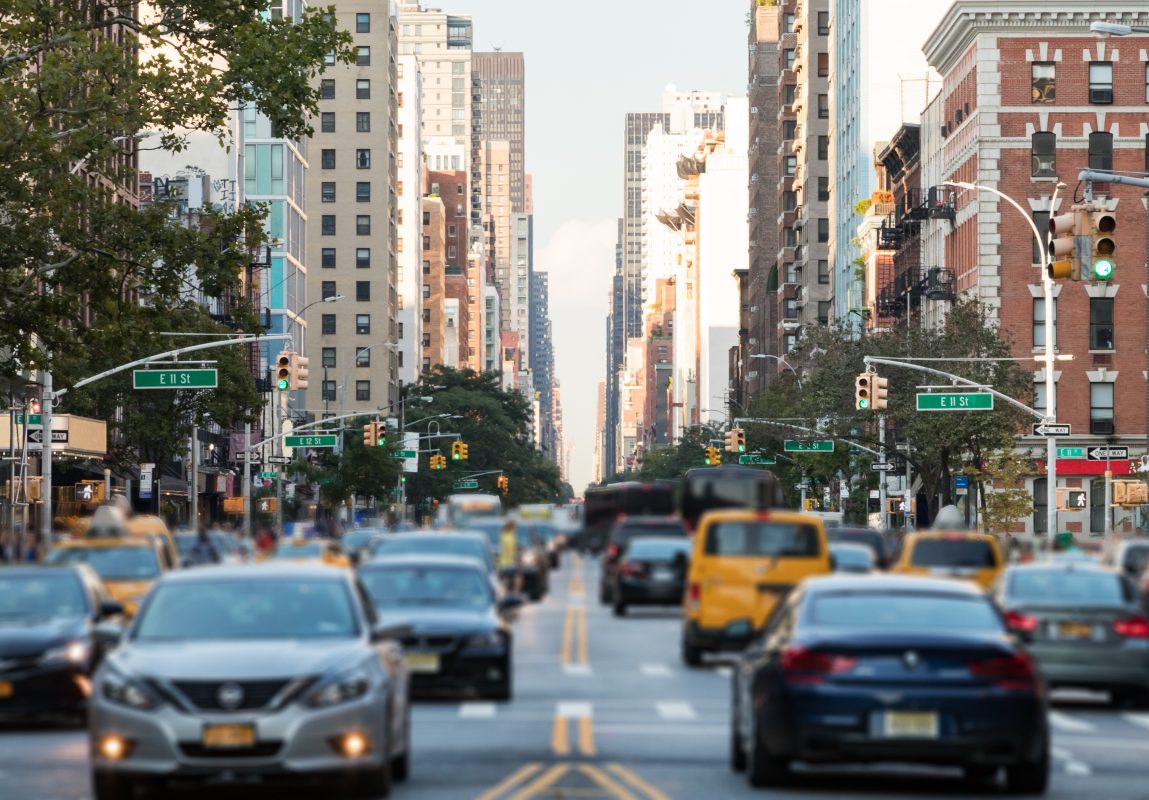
(880, 466)
(816, 446)
(278, 460)
(175, 379)
(961, 481)
(955, 401)
(1051, 429)
(1071, 452)
(404, 454)
(309, 441)
(1094, 454)
(755, 458)
(36, 436)
(268, 474)
(33, 419)
(466, 484)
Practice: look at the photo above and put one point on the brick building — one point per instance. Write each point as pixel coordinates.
(1029, 98)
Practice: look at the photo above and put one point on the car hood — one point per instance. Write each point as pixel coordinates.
(428, 621)
(241, 660)
(31, 636)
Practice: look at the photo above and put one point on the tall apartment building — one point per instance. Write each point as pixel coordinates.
(615, 350)
(409, 217)
(492, 342)
(763, 212)
(434, 283)
(542, 360)
(496, 187)
(500, 79)
(451, 187)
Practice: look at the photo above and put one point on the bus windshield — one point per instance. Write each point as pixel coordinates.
(709, 489)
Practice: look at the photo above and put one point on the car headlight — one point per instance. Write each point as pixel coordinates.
(125, 691)
(70, 653)
(484, 641)
(339, 688)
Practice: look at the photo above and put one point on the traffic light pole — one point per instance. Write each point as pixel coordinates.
(885, 516)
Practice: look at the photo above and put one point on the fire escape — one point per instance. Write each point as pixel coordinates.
(910, 282)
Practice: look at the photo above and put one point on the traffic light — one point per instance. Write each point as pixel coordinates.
(1063, 257)
(464, 450)
(438, 461)
(299, 372)
(713, 456)
(283, 370)
(34, 407)
(504, 484)
(380, 434)
(1102, 226)
(456, 451)
(371, 434)
(731, 441)
(881, 392)
(863, 391)
(740, 439)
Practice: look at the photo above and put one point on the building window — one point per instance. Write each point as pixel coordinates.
(823, 148)
(1040, 520)
(1101, 323)
(363, 89)
(823, 106)
(789, 237)
(1147, 83)
(791, 165)
(823, 230)
(363, 324)
(327, 89)
(1039, 323)
(1101, 408)
(823, 271)
(788, 58)
(363, 291)
(362, 159)
(426, 291)
(327, 258)
(327, 159)
(327, 191)
(363, 56)
(362, 257)
(823, 312)
(362, 192)
(328, 359)
(1101, 150)
(327, 224)
(788, 21)
(823, 65)
(363, 357)
(326, 289)
(362, 390)
(363, 225)
(363, 23)
(789, 94)
(1039, 396)
(1101, 82)
(327, 122)
(329, 391)
(362, 121)
(789, 201)
(823, 23)
(426, 267)
(427, 315)
(1041, 220)
(1044, 86)
(1043, 145)
(823, 189)
(789, 129)
(328, 326)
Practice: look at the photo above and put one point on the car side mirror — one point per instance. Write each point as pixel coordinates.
(111, 608)
(108, 635)
(388, 632)
(510, 602)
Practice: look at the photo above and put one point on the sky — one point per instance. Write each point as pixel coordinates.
(587, 64)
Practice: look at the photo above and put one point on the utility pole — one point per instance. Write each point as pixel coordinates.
(193, 484)
(247, 480)
(884, 513)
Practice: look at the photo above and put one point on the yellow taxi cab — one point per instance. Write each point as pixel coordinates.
(954, 554)
(127, 565)
(321, 551)
(743, 564)
(149, 525)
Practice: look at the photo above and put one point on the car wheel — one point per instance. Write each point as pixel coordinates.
(505, 690)
(374, 783)
(691, 655)
(619, 608)
(762, 768)
(110, 786)
(1029, 777)
(401, 764)
(737, 746)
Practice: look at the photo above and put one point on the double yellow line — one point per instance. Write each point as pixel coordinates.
(533, 781)
(560, 736)
(574, 638)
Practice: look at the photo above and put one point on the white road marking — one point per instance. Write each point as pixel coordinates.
(572, 710)
(477, 711)
(676, 710)
(1072, 765)
(578, 670)
(655, 670)
(1064, 722)
(1141, 720)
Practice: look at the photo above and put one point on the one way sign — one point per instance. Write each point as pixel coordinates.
(1051, 429)
(36, 436)
(881, 466)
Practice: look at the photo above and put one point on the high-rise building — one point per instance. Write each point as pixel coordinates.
(409, 217)
(542, 360)
(615, 350)
(352, 228)
(518, 289)
(638, 126)
(492, 342)
(434, 283)
(495, 169)
(500, 77)
(451, 187)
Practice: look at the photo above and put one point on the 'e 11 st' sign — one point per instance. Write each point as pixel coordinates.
(955, 401)
(175, 379)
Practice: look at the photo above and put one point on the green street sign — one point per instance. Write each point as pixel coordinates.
(309, 441)
(816, 446)
(466, 484)
(755, 458)
(1071, 452)
(33, 419)
(175, 379)
(406, 454)
(268, 474)
(325, 481)
(955, 401)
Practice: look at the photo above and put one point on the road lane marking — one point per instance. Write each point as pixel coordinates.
(1067, 723)
(544, 781)
(586, 736)
(651, 792)
(675, 710)
(724, 672)
(578, 670)
(560, 736)
(568, 630)
(477, 711)
(520, 775)
(582, 642)
(574, 643)
(574, 709)
(1141, 720)
(1072, 765)
(606, 782)
(655, 670)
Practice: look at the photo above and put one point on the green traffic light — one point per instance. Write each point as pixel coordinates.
(1103, 269)
(863, 403)
(282, 384)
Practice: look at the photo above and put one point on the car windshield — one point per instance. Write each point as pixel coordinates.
(657, 549)
(447, 545)
(624, 533)
(1066, 586)
(957, 552)
(355, 540)
(871, 539)
(39, 595)
(903, 611)
(763, 538)
(856, 556)
(240, 609)
(435, 586)
(112, 563)
(310, 549)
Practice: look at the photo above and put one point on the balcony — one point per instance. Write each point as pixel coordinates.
(940, 284)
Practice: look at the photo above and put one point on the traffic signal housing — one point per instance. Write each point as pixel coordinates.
(1064, 259)
(1102, 226)
(371, 434)
(731, 441)
(298, 372)
(713, 457)
(283, 364)
(863, 391)
(438, 461)
(880, 387)
(740, 440)
(464, 450)
(456, 451)
(504, 484)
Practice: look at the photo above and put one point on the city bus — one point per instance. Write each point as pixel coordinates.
(605, 504)
(461, 508)
(709, 488)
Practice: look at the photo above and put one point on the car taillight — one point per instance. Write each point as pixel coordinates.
(1016, 621)
(612, 551)
(695, 592)
(803, 666)
(631, 569)
(1009, 672)
(1132, 628)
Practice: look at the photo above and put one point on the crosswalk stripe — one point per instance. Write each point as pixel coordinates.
(570, 710)
(477, 711)
(1069, 724)
(676, 710)
(1141, 720)
(655, 670)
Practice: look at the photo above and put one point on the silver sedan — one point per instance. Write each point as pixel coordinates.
(272, 673)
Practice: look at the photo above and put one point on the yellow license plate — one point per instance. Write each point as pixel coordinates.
(229, 735)
(6, 690)
(421, 662)
(1075, 630)
(912, 724)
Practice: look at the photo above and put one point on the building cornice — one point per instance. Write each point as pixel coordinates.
(968, 18)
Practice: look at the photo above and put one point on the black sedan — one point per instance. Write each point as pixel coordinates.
(863, 536)
(651, 571)
(453, 543)
(47, 644)
(621, 533)
(460, 641)
(890, 669)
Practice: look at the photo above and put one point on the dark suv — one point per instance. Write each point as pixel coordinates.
(625, 529)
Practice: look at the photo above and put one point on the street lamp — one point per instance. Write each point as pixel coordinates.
(781, 361)
(301, 314)
(1116, 29)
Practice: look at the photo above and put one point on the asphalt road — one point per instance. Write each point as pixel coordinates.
(603, 708)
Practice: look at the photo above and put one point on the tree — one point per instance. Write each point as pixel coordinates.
(360, 471)
(1007, 501)
(78, 82)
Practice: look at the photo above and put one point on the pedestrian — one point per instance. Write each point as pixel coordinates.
(203, 551)
(509, 556)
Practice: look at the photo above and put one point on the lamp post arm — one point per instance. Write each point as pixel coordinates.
(957, 378)
(758, 421)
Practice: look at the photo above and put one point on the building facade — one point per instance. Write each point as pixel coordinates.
(409, 216)
(500, 78)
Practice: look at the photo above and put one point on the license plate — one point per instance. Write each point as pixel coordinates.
(229, 735)
(6, 690)
(421, 662)
(911, 724)
(662, 575)
(1074, 630)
